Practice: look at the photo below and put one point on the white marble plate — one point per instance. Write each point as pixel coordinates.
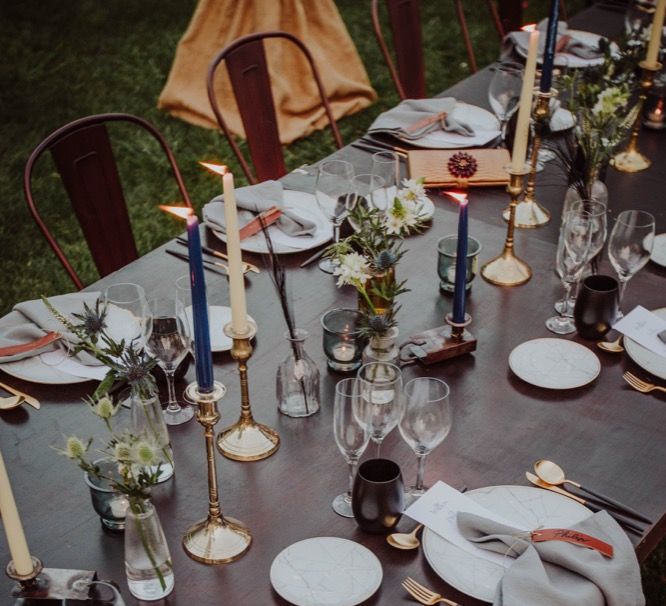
(525, 506)
(326, 571)
(554, 363)
(218, 317)
(566, 59)
(646, 359)
(486, 128)
(658, 255)
(283, 244)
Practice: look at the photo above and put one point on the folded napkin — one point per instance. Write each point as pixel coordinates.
(568, 42)
(552, 573)
(31, 320)
(255, 199)
(415, 118)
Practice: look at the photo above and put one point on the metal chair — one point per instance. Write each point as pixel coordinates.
(245, 59)
(84, 158)
(405, 22)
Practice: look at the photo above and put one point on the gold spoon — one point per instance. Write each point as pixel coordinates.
(405, 540)
(552, 473)
(611, 346)
(10, 402)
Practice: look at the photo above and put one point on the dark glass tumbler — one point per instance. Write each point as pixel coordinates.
(377, 495)
(597, 306)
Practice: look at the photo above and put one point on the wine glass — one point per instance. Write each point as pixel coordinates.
(572, 256)
(630, 245)
(370, 188)
(169, 342)
(352, 434)
(381, 389)
(334, 194)
(425, 421)
(126, 313)
(386, 164)
(504, 91)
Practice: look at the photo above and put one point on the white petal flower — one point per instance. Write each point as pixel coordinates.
(413, 190)
(353, 269)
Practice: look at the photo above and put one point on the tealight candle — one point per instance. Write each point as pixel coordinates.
(344, 352)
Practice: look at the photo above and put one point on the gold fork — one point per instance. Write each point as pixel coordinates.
(639, 385)
(423, 594)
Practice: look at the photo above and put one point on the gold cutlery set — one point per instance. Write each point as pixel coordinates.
(18, 397)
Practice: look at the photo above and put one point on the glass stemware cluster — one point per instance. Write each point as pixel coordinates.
(371, 405)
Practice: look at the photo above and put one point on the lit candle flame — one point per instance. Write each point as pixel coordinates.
(219, 169)
(529, 28)
(457, 196)
(180, 211)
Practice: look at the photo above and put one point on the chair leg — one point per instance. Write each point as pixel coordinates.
(465, 33)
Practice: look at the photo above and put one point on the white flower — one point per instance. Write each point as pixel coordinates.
(401, 216)
(610, 101)
(413, 190)
(74, 448)
(353, 269)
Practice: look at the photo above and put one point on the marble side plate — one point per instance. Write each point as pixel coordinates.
(526, 507)
(554, 363)
(326, 570)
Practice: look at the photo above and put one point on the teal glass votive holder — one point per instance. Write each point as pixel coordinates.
(343, 341)
(446, 262)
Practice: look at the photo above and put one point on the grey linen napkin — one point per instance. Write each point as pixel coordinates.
(31, 320)
(255, 199)
(415, 118)
(571, 44)
(554, 573)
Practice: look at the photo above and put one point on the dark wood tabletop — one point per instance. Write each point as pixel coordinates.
(605, 435)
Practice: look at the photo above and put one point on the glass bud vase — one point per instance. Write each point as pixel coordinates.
(379, 281)
(297, 382)
(146, 416)
(147, 559)
(382, 348)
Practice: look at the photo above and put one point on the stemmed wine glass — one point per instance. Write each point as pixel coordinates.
(630, 245)
(370, 188)
(504, 91)
(127, 313)
(352, 434)
(169, 342)
(425, 421)
(334, 193)
(572, 256)
(381, 389)
(385, 164)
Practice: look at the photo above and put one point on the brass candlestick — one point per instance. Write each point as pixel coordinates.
(631, 160)
(215, 539)
(245, 440)
(529, 213)
(507, 269)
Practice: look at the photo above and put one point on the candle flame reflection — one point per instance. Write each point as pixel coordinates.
(457, 196)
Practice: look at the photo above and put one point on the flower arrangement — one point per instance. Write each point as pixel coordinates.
(367, 259)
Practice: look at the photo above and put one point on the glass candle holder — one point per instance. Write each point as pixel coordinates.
(446, 262)
(343, 343)
(109, 504)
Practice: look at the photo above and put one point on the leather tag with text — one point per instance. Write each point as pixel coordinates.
(574, 537)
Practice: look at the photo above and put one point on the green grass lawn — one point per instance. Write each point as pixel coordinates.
(64, 60)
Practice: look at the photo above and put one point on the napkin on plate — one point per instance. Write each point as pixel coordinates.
(255, 199)
(568, 42)
(31, 320)
(552, 573)
(415, 118)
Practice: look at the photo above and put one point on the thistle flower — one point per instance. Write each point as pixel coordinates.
(122, 451)
(104, 407)
(92, 321)
(385, 260)
(146, 453)
(75, 448)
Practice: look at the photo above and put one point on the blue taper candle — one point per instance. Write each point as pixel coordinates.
(202, 353)
(549, 52)
(461, 263)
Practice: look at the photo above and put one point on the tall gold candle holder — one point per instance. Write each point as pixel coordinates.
(631, 160)
(507, 269)
(245, 440)
(215, 539)
(529, 213)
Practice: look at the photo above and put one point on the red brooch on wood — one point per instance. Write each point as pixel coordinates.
(462, 165)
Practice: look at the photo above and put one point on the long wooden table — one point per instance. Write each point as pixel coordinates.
(605, 434)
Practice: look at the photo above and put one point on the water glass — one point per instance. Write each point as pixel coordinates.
(381, 388)
(351, 432)
(447, 248)
(596, 306)
(504, 91)
(378, 495)
(425, 421)
(369, 189)
(386, 164)
(630, 246)
(343, 341)
(127, 313)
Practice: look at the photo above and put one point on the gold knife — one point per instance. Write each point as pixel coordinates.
(541, 484)
(34, 402)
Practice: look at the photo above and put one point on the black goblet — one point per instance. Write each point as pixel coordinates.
(377, 496)
(597, 306)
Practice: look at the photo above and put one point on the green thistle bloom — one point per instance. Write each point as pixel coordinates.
(122, 451)
(145, 453)
(104, 408)
(75, 448)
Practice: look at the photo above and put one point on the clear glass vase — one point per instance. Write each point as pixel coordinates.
(147, 559)
(297, 383)
(146, 416)
(382, 348)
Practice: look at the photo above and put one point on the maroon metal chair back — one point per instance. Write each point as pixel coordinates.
(405, 21)
(249, 75)
(84, 158)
